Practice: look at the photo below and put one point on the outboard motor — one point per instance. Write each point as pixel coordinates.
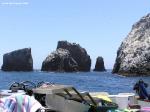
(140, 88)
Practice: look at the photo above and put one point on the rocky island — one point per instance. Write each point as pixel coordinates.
(133, 56)
(99, 66)
(68, 57)
(19, 60)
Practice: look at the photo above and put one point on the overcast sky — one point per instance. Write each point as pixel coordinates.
(97, 25)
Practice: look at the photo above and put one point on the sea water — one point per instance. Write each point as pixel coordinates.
(83, 81)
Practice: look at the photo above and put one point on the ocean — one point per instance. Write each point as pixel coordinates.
(83, 81)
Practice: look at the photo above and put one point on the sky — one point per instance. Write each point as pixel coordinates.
(99, 26)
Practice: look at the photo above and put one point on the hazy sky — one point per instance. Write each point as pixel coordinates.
(97, 25)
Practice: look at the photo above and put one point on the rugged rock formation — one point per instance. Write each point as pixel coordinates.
(60, 60)
(133, 56)
(78, 53)
(19, 60)
(99, 66)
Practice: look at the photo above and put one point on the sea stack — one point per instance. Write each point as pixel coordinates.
(19, 60)
(99, 66)
(68, 57)
(78, 53)
(133, 56)
(61, 61)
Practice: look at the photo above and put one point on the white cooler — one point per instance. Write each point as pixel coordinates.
(123, 99)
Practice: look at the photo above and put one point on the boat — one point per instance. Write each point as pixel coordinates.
(65, 98)
(60, 98)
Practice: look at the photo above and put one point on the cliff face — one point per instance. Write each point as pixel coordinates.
(133, 56)
(19, 60)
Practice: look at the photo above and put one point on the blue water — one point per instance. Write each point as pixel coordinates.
(88, 81)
